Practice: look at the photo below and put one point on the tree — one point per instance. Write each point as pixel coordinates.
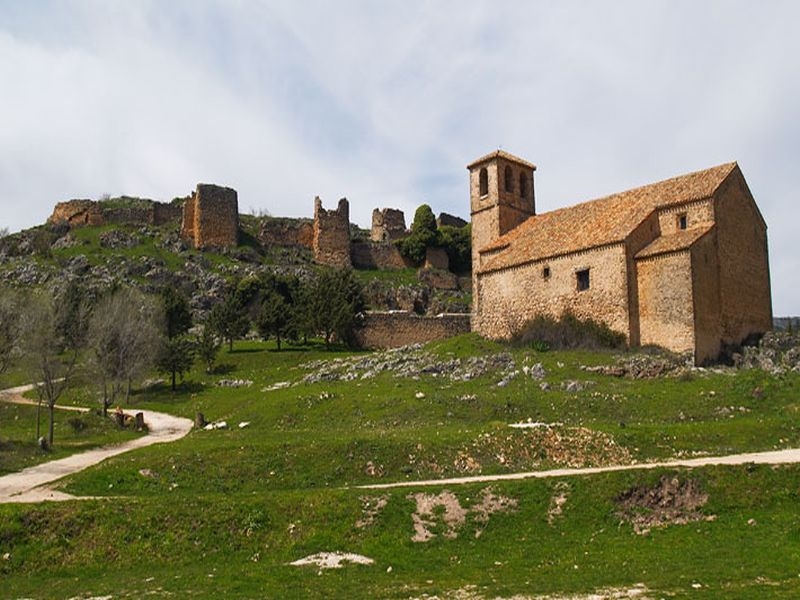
(10, 306)
(275, 317)
(336, 305)
(424, 234)
(207, 345)
(175, 358)
(177, 315)
(457, 242)
(52, 357)
(72, 310)
(229, 320)
(175, 354)
(123, 336)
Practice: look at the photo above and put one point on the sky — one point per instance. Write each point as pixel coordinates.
(386, 102)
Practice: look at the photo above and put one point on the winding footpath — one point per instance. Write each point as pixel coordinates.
(31, 484)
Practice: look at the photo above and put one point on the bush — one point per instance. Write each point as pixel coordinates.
(569, 332)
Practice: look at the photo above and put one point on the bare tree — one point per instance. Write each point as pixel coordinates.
(51, 360)
(9, 328)
(123, 338)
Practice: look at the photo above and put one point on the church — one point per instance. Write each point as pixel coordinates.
(680, 263)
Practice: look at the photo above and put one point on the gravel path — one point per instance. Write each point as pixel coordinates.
(773, 457)
(31, 484)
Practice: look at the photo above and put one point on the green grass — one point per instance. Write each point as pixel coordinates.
(73, 432)
(225, 511)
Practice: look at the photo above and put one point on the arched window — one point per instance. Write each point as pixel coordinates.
(523, 185)
(508, 178)
(483, 182)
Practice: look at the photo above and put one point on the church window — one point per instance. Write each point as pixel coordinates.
(682, 222)
(546, 272)
(508, 178)
(483, 182)
(583, 280)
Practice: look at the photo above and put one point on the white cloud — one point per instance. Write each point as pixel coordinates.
(386, 102)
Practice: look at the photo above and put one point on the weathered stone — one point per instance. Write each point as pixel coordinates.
(331, 243)
(388, 225)
(211, 217)
(395, 329)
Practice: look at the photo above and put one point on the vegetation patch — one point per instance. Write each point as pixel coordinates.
(568, 332)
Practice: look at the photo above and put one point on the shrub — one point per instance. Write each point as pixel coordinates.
(569, 332)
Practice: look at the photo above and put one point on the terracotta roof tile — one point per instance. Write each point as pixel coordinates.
(500, 154)
(599, 222)
(679, 240)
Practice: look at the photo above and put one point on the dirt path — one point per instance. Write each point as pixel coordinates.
(773, 457)
(30, 485)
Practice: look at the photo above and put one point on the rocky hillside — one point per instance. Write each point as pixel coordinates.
(153, 256)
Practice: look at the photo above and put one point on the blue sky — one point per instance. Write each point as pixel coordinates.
(386, 102)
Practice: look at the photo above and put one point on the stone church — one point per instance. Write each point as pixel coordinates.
(681, 263)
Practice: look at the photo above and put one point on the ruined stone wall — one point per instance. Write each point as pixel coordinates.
(164, 213)
(436, 258)
(211, 217)
(395, 329)
(286, 232)
(388, 225)
(445, 220)
(666, 309)
(77, 213)
(331, 243)
(745, 297)
(374, 255)
(510, 297)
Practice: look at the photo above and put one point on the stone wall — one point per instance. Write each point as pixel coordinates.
(331, 241)
(286, 232)
(395, 329)
(375, 255)
(666, 315)
(388, 225)
(510, 297)
(450, 221)
(745, 297)
(211, 217)
(436, 258)
(78, 213)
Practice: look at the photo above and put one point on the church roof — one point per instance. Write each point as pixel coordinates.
(673, 242)
(600, 222)
(500, 154)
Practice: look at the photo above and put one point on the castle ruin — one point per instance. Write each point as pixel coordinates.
(211, 217)
(331, 243)
(388, 225)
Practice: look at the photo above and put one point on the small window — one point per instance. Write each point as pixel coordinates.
(523, 186)
(546, 272)
(508, 179)
(583, 280)
(682, 221)
(483, 182)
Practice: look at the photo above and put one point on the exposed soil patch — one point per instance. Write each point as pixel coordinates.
(442, 514)
(670, 502)
(557, 501)
(371, 507)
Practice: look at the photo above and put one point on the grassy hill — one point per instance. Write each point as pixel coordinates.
(225, 511)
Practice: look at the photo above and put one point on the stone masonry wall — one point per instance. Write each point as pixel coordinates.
(286, 232)
(745, 297)
(666, 314)
(211, 217)
(395, 329)
(509, 298)
(388, 225)
(375, 255)
(78, 213)
(331, 243)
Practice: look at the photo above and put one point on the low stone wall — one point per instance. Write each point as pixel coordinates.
(377, 255)
(395, 329)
